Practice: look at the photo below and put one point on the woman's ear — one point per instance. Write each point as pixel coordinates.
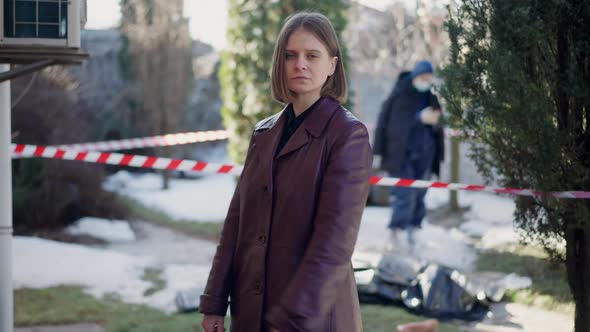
(334, 62)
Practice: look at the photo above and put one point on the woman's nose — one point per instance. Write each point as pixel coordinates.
(300, 63)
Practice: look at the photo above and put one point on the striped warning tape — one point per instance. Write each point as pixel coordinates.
(144, 142)
(396, 182)
(121, 159)
(199, 166)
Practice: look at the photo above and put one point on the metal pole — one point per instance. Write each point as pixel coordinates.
(6, 290)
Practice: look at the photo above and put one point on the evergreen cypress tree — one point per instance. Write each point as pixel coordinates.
(245, 65)
(519, 77)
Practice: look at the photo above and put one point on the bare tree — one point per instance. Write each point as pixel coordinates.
(417, 34)
(385, 43)
(158, 45)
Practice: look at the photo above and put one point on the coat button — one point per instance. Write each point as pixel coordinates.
(262, 239)
(265, 189)
(257, 287)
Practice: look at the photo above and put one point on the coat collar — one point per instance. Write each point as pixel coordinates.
(315, 123)
(269, 131)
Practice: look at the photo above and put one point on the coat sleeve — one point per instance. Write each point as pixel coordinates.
(313, 290)
(439, 135)
(382, 123)
(214, 300)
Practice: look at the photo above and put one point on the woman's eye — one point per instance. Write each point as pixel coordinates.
(312, 56)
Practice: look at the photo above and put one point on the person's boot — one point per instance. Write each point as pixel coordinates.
(397, 240)
(401, 243)
(411, 238)
(391, 240)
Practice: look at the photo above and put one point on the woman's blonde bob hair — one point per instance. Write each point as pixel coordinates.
(321, 27)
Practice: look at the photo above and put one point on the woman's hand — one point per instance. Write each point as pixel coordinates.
(213, 323)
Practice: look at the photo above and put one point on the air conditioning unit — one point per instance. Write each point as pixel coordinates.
(42, 23)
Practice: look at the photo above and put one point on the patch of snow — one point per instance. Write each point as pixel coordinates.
(178, 278)
(436, 198)
(433, 243)
(104, 229)
(445, 247)
(498, 237)
(40, 263)
(490, 216)
(203, 200)
(475, 228)
(165, 246)
(366, 258)
(490, 208)
(515, 317)
(514, 281)
(118, 181)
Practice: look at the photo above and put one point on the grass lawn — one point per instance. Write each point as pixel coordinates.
(62, 305)
(549, 289)
(203, 230)
(154, 276)
(386, 318)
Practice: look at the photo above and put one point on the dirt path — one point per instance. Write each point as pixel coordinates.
(62, 328)
(166, 246)
(514, 317)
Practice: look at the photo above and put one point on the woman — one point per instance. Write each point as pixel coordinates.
(285, 250)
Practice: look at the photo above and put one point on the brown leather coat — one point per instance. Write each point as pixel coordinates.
(284, 254)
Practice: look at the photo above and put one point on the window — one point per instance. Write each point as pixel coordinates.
(36, 19)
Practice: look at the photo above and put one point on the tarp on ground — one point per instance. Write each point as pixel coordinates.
(429, 289)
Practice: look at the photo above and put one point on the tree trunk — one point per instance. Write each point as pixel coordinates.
(165, 179)
(578, 273)
(455, 160)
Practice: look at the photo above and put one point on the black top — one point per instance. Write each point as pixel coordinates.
(293, 122)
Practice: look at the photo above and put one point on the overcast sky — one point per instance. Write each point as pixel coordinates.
(208, 18)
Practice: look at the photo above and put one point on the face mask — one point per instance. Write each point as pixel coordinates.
(422, 86)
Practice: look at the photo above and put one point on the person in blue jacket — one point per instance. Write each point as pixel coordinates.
(409, 144)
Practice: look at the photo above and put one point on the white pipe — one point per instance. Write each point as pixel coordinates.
(74, 24)
(6, 295)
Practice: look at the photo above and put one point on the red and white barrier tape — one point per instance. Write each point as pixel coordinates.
(199, 166)
(123, 159)
(144, 142)
(396, 182)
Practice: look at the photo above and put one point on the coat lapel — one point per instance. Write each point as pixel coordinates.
(313, 125)
(266, 139)
(299, 139)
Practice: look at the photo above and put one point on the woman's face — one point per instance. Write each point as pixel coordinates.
(307, 64)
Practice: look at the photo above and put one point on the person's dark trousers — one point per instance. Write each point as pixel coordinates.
(408, 206)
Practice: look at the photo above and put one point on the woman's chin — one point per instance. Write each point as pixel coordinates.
(299, 92)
